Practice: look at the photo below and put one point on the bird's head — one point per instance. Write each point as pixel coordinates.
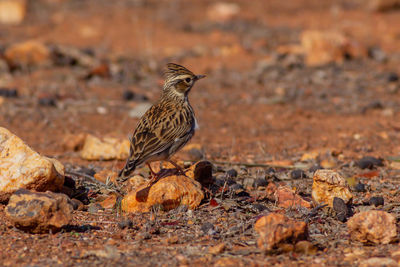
(179, 80)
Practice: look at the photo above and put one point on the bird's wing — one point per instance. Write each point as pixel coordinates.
(158, 129)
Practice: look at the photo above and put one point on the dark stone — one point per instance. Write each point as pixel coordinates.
(341, 209)
(392, 77)
(259, 207)
(9, 92)
(376, 201)
(315, 167)
(203, 173)
(208, 228)
(232, 173)
(298, 174)
(359, 187)
(235, 187)
(369, 162)
(47, 101)
(260, 182)
(127, 223)
(128, 95)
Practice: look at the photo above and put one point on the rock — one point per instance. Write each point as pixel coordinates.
(104, 149)
(169, 192)
(298, 174)
(109, 202)
(134, 182)
(276, 228)
(73, 142)
(12, 12)
(106, 176)
(221, 12)
(374, 226)
(94, 208)
(322, 47)
(287, 198)
(231, 173)
(201, 172)
(383, 5)
(329, 184)
(305, 247)
(8, 92)
(376, 201)
(208, 228)
(127, 223)
(21, 167)
(341, 209)
(217, 249)
(39, 212)
(27, 54)
(369, 162)
(378, 262)
(360, 187)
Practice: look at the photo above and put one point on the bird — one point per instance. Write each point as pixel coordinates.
(166, 126)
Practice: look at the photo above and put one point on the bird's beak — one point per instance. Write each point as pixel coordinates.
(198, 77)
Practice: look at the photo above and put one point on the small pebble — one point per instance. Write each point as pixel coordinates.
(359, 187)
(6, 92)
(235, 187)
(47, 101)
(259, 207)
(208, 228)
(298, 174)
(128, 95)
(127, 223)
(369, 162)
(340, 207)
(260, 182)
(376, 201)
(232, 173)
(392, 77)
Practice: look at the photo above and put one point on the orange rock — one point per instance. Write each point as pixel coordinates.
(287, 198)
(276, 228)
(169, 192)
(109, 202)
(73, 142)
(134, 182)
(21, 167)
(329, 184)
(39, 212)
(221, 11)
(323, 47)
(106, 176)
(105, 149)
(29, 53)
(374, 226)
(12, 12)
(217, 249)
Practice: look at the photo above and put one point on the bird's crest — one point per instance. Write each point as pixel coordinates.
(174, 71)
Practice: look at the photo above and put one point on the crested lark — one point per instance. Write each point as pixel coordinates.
(167, 126)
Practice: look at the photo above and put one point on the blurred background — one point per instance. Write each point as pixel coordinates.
(283, 77)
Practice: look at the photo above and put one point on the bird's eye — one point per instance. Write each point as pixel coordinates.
(188, 80)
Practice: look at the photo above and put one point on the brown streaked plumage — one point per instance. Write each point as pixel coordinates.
(168, 125)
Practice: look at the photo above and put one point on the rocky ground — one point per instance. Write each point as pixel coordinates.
(296, 162)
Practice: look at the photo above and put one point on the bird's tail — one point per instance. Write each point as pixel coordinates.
(130, 166)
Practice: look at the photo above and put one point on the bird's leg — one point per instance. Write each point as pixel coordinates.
(180, 170)
(154, 176)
